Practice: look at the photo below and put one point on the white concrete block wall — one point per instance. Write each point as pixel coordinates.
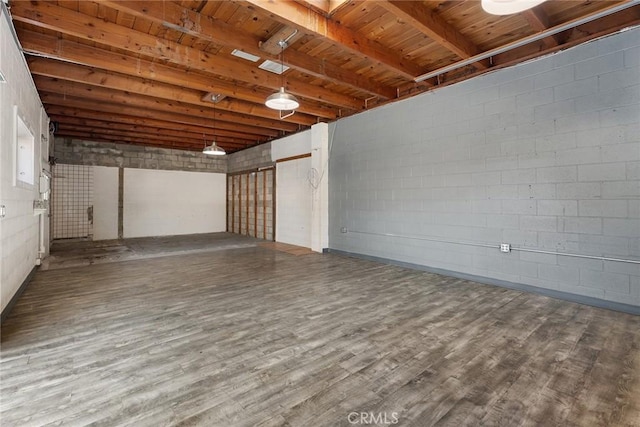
(544, 155)
(163, 202)
(19, 229)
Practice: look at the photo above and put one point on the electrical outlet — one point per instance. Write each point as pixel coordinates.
(343, 230)
(505, 247)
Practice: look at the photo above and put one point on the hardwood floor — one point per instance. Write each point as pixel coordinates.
(251, 336)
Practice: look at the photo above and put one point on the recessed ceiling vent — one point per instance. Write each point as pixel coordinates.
(244, 55)
(274, 67)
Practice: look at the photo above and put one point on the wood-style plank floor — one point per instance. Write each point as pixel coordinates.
(251, 336)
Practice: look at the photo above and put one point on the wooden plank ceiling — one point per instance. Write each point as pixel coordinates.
(145, 72)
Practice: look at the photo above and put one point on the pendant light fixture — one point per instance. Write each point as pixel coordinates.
(508, 7)
(213, 149)
(282, 100)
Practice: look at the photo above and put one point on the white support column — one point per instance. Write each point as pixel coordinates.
(320, 186)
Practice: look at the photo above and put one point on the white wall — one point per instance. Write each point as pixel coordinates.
(19, 229)
(105, 203)
(302, 190)
(319, 181)
(290, 146)
(293, 202)
(162, 203)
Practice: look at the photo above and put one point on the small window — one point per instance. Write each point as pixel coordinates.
(25, 144)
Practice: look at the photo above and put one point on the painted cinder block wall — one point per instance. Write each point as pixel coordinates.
(73, 151)
(544, 155)
(19, 229)
(250, 159)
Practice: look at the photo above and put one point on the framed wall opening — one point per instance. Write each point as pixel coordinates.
(24, 152)
(251, 203)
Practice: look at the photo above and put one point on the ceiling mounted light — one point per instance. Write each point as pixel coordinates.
(508, 7)
(282, 100)
(213, 149)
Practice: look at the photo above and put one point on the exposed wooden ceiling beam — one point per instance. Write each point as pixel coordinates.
(158, 132)
(169, 127)
(539, 21)
(65, 50)
(336, 5)
(321, 6)
(311, 22)
(223, 119)
(581, 34)
(55, 98)
(64, 126)
(106, 79)
(98, 137)
(117, 131)
(433, 26)
(176, 17)
(52, 17)
(607, 25)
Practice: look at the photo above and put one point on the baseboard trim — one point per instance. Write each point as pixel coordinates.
(580, 299)
(16, 296)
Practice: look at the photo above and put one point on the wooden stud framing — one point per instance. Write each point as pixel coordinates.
(255, 204)
(247, 218)
(264, 204)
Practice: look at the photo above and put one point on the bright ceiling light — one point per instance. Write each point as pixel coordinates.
(213, 150)
(282, 101)
(508, 7)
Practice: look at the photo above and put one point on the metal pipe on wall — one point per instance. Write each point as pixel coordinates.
(497, 246)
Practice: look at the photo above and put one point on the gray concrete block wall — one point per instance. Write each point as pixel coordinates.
(81, 152)
(544, 156)
(250, 159)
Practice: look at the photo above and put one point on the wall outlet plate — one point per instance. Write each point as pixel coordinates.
(343, 230)
(505, 247)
